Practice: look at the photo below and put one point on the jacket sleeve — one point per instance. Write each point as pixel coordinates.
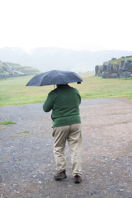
(79, 98)
(78, 95)
(48, 104)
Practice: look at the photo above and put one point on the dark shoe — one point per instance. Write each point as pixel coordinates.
(60, 176)
(77, 179)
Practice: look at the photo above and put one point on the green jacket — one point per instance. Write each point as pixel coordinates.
(64, 102)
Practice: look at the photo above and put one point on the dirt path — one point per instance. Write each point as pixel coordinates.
(26, 158)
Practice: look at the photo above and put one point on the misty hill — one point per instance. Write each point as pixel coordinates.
(8, 69)
(46, 59)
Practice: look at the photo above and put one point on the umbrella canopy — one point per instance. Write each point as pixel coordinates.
(54, 77)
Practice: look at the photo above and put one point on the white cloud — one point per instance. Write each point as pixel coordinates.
(75, 24)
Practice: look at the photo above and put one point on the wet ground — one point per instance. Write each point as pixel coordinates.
(26, 159)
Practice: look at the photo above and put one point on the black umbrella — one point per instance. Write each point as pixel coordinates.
(54, 77)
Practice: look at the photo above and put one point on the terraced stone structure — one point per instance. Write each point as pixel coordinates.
(115, 68)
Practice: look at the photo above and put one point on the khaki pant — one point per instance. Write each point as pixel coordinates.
(71, 134)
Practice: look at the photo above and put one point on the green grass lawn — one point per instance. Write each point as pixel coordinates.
(13, 91)
(7, 122)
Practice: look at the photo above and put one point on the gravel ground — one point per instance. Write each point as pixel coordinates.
(26, 159)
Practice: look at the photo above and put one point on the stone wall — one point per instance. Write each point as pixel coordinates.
(114, 70)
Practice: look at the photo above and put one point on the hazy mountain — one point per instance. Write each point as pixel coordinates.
(8, 69)
(46, 59)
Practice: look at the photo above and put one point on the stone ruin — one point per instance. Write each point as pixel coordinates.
(114, 70)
